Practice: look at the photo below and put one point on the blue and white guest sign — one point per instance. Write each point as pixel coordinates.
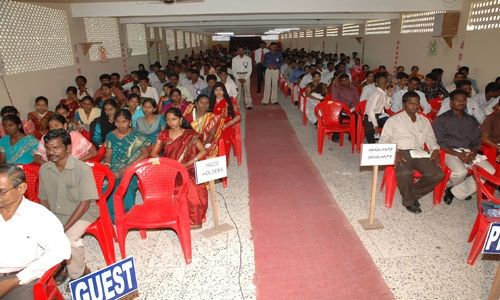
(113, 282)
(492, 243)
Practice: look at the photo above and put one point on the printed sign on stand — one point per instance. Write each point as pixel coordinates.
(375, 155)
(210, 169)
(113, 282)
(492, 243)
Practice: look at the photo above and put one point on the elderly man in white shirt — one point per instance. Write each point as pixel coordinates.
(375, 116)
(242, 68)
(33, 239)
(472, 105)
(413, 84)
(410, 132)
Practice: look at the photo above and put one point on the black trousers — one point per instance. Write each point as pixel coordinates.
(261, 70)
(370, 129)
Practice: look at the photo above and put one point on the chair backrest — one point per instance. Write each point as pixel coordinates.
(103, 174)
(435, 103)
(483, 179)
(46, 287)
(100, 154)
(330, 112)
(159, 178)
(32, 174)
(360, 108)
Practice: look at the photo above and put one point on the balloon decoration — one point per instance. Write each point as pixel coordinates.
(432, 47)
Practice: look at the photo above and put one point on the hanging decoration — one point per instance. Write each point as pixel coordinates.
(103, 54)
(432, 47)
(2, 73)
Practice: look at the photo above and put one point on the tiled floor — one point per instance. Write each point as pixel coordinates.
(420, 257)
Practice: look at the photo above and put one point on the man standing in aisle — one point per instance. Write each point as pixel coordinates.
(259, 60)
(272, 61)
(242, 69)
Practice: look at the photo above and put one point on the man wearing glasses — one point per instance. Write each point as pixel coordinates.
(33, 240)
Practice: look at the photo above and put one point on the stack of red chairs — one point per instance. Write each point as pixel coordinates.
(482, 223)
(359, 110)
(329, 122)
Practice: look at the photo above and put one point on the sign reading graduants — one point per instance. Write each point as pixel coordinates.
(113, 282)
(378, 154)
(492, 243)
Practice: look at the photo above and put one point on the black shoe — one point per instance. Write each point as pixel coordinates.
(296, 103)
(448, 196)
(276, 103)
(414, 209)
(468, 198)
(249, 108)
(417, 203)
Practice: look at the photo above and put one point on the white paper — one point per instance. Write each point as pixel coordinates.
(419, 154)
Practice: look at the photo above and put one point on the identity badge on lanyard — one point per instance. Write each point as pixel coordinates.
(245, 64)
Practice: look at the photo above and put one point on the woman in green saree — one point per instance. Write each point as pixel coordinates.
(124, 146)
(15, 146)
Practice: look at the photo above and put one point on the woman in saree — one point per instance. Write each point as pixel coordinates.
(81, 148)
(152, 123)
(15, 146)
(183, 144)
(207, 124)
(87, 113)
(124, 146)
(103, 125)
(71, 101)
(177, 101)
(40, 117)
(225, 107)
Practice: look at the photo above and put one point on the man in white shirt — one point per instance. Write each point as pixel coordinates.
(410, 131)
(147, 91)
(459, 76)
(413, 84)
(33, 239)
(259, 62)
(196, 84)
(472, 105)
(308, 78)
(186, 94)
(327, 75)
(375, 116)
(488, 99)
(242, 68)
(162, 80)
(231, 88)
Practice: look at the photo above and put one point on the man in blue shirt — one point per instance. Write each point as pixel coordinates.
(272, 61)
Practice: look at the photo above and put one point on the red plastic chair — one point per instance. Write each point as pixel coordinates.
(87, 135)
(482, 222)
(46, 287)
(292, 93)
(165, 202)
(237, 143)
(102, 228)
(100, 154)
(301, 97)
(435, 107)
(491, 153)
(329, 122)
(222, 152)
(32, 172)
(360, 130)
(389, 182)
(304, 103)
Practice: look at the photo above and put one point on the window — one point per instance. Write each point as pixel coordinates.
(180, 39)
(104, 31)
(319, 33)
(33, 38)
(270, 37)
(332, 31)
(170, 39)
(418, 22)
(295, 35)
(187, 39)
(136, 39)
(301, 34)
(309, 33)
(350, 29)
(221, 38)
(378, 27)
(194, 41)
(484, 15)
(151, 33)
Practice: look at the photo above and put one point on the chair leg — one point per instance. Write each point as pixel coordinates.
(184, 233)
(224, 182)
(321, 139)
(477, 246)
(473, 232)
(121, 236)
(441, 187)
(105, 240)
(142, 233)
(341, 139)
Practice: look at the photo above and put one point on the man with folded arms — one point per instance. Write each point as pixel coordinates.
(410, 131)
(33, 240)
(458, 133)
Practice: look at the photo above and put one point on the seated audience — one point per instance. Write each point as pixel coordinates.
(489, 98)
(152, 123)
(82, 89)
(81, 148)
(186, 94)
(402, 82)
(211, 80)
(100, 96)
(147, 91)
(165, 97)
(368, 86)
(379, 100)
(410, 131)
(16, 147)
(71, 101)
(177, 101)
(490, 129)
(63, 110)
(124, 146)
(67, 188)
(472, 106)
(86, 113)
(135, 108)
(453, 86)
(465, 70)
(105, 95)
(40, 116)
(162, 80)
(345, 92)
(181, 143)
(196, 84)
(103, 125)
(459, 135)
(28, 126)
(414, 73)
(223, 105)
(231, 88)
(432, 87)
(413, 84)
(32, 237)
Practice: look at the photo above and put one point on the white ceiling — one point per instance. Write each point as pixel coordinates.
(253, 16)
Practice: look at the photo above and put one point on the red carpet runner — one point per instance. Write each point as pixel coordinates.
(304, 246)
